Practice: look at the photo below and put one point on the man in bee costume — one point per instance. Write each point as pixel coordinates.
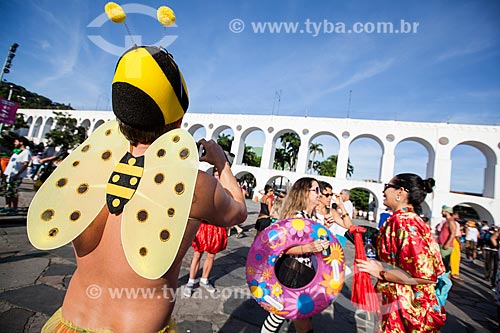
(131, 199)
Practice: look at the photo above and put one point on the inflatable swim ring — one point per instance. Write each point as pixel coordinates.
(270, 293)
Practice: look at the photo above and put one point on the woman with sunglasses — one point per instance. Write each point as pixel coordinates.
(329, 217)
(294, 269)
(411, 261)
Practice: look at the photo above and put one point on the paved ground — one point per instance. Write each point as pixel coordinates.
(33, 283)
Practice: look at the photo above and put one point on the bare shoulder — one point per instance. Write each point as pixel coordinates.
(203, 195)
(204, 183)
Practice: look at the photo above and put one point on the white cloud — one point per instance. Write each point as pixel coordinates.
(44, 44)
(463, 50)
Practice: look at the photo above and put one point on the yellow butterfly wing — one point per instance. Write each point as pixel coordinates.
(75, 192)
(154, 221)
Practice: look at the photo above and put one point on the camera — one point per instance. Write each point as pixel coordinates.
(201, 150)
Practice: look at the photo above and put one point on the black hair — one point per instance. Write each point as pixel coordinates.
(267, 187)
(23, 140)
(416, 187)
(136, 136)
(324, 185)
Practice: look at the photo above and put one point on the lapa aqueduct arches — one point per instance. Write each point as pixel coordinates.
(438, 139)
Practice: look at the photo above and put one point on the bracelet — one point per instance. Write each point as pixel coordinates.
(382, 275)
(343, 216)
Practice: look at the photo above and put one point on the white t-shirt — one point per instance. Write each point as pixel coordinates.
(349, 207)
(472, 234)
(337, 229)
(16, 163)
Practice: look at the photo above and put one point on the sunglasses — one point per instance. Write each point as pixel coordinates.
(316, 189)
(327, 194)
(397, 187)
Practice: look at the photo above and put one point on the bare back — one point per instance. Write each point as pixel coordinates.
(105, 292)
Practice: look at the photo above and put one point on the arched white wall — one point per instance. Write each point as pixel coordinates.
(439, 139)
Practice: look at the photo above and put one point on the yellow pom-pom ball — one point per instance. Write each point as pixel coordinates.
(115, 12)
(166, 16)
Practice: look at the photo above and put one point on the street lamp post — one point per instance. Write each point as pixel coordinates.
(6, 69)
(8, 60)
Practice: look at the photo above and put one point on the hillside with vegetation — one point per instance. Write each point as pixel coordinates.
(28, 99)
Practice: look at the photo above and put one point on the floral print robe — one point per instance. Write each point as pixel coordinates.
(405, 241)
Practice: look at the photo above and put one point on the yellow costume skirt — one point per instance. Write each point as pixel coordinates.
(57, 324)
(455, 258)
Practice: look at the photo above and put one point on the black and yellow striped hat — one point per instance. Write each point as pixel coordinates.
(148, 88)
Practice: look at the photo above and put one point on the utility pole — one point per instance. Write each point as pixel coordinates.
(277, 96)
(349, 105)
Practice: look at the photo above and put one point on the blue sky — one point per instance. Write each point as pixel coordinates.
(447, 71)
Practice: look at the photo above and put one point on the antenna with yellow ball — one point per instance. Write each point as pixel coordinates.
(166, 17)
(116, 14)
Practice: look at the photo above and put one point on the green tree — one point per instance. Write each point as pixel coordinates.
(328, 167)
(250, 158)
(315, 166)
(315, 148)
(8, 134)
(280, 159)
(290, 142)
(66, 133)
(360, 198)
(225, 141)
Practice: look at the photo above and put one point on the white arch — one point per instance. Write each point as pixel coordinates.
(275, 139)
(36, 127)
(238, 148)
(439, 139)
(97, 124)
(47, 127)
(380, 144)
(431, 153)
(491, 163)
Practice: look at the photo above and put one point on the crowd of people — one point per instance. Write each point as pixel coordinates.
(411, 255)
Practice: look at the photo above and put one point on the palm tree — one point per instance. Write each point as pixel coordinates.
(250, 158)
(280, 159)
(291, 144)
(328, 167)
(225, 141)
(315, 148)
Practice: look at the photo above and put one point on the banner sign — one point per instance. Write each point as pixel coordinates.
(8, 111)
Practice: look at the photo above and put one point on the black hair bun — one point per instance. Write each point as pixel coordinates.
(429, 185)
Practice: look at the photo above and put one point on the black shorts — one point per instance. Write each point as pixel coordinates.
(292, 273)
(262, 223)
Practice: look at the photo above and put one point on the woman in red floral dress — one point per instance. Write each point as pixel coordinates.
(410, 261)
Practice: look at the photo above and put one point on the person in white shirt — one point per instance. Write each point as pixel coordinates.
(15, 171)
(471, 237)
(337, 229)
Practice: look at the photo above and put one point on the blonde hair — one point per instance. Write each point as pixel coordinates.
(297, 198)
(277, 204)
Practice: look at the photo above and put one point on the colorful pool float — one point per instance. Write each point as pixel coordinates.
(294, 303)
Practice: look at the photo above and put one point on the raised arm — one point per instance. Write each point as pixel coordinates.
(218, 202)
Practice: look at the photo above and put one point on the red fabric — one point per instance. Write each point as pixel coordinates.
(210, 238)
(363, 294)
(444, 234)
(406, 242)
